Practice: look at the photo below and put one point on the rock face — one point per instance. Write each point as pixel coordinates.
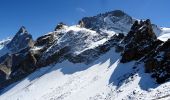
(22, 64)
(141, 44)
(21, 40)
(115, 20)
(76, 45)
(19, 60)
(157, 63)
(59, 26)
(139, 41)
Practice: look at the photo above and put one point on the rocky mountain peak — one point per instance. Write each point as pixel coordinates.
(115, 20)
(22, 30)
(59, 26)
(21, 40)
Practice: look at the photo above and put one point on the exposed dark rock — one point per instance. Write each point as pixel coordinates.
(44, 40)
(19, 61)
(2, 76)
(84, 57)
(56, 57)
(158, 62)
(21, 40)
(81, 23)
(151, 65)
(59, 26)
(109, 21)
(92, 54)
(16, 66)
(139, 41)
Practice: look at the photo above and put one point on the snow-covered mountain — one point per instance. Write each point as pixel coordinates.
(110, 56)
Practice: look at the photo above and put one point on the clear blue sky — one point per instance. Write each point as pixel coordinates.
(41, 16)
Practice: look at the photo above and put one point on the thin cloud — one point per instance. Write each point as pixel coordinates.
(81, 10)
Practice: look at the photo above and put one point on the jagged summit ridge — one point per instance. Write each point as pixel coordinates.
(22, 30)
(21, 40)
(116, 13)
(115, 20)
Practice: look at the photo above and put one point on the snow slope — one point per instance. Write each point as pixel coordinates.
(165, 34)
(3, 48)
(104, 79)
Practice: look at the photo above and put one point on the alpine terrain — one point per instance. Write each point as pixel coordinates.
(110, 56)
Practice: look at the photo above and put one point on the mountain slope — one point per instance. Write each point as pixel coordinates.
(105, 79)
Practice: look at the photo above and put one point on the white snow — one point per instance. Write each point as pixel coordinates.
(37, 48)
(104, 79)
(3, 48)
(78, 39)
(165, 34)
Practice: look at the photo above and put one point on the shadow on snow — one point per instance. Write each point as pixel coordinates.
(120, 75)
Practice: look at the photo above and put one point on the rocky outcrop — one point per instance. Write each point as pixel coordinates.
(81, 23)
(142, 45)
(45, 42)
(19, 61)
(59, 26)
(90, 55)
(86, 56)
(157, 63)
(139, 41)
(23, 64)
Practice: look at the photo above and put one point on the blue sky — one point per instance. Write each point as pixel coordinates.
(41, 16)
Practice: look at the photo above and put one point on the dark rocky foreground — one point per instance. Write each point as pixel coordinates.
(141, 44)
